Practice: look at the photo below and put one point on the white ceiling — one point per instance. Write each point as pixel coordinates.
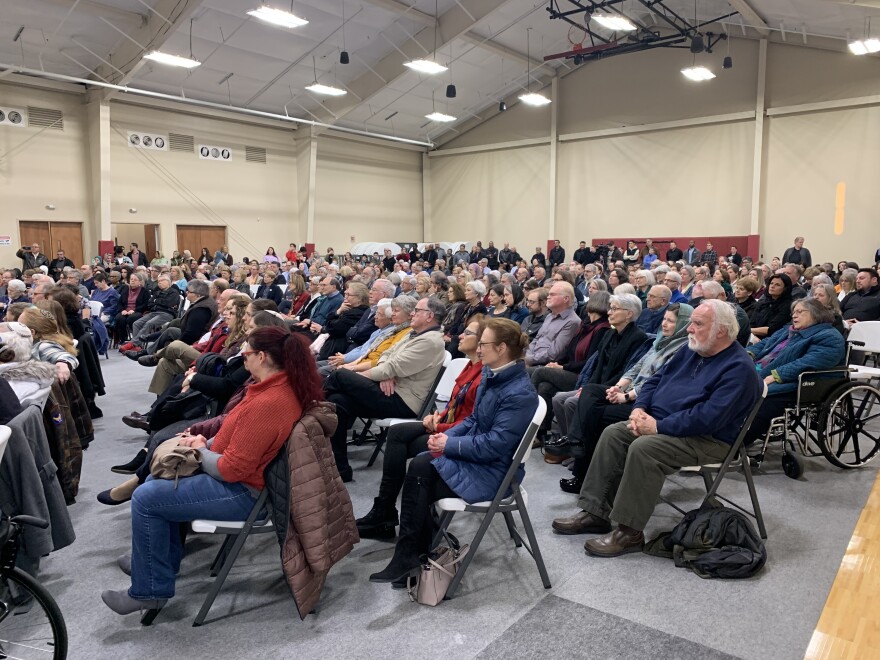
(270, 66)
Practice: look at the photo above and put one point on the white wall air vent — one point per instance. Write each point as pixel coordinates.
(12, 117)
(212, 152)
(45, 118)
(179, 142)
(139, 140)
(255, 154)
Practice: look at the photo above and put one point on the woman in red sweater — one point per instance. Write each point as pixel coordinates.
(410, 439)
(286, 384)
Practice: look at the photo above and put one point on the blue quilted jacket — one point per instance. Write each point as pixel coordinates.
(818, 347)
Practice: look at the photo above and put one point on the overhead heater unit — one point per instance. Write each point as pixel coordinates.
(139, 140)
(213, 152)
(13, 117)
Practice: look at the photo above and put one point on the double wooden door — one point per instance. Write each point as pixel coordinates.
(195, 237)
(54, 236)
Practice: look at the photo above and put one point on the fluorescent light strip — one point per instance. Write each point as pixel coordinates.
(277, 17)
(697, 73)
(864, 47)
(616, 23)
(439, 116)
(172, 60)
(534, 99)
(425, 66)
(327, 90)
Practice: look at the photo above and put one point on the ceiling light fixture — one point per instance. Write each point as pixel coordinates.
(502, 106)
(864, 46)
(277, 17)
(614, 22)
(327, 90)
(172, 60)
(697, 73)
(423, 65)
(531, 98)
(439, 116)
(343, 55)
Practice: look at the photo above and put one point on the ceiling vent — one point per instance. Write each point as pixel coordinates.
(212, 152)
(255, 154)
(178, 142)
(45, 118)
(12, 117)
(139, 140)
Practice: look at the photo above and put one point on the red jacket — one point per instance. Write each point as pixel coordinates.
(470, 378)
(214, 343)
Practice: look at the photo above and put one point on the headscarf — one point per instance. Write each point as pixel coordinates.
(681, 323)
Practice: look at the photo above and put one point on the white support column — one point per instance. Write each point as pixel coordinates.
(99, 165)
(758, 156)
(554, 142)
(428, 233)
(313, 175)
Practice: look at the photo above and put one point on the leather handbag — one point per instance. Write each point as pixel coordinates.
(171, 461)
(430, 587)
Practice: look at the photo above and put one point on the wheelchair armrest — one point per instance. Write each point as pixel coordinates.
(842, 370)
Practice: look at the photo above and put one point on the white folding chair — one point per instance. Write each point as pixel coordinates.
(384, 424)
(96, 308)
(5, 433)
(864, 339)
(501, 503)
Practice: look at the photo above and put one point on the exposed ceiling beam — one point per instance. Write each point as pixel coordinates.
(751, 16)
(457, 21)
(165, 18)
(506, 53)
(404, 10)
(93, 8)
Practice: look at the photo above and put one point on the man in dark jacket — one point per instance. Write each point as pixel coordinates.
(492, 256)
(798, 254)
(863, 304)
(32, 258)
(557, 254)
(673, 254)
(539, 257)
(195, 322)
(58, 264)
(137, 257)
(429, 256)
(688, 413)
(580, 255)
(162, 307)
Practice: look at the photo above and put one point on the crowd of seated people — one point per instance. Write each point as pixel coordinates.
(590, 336)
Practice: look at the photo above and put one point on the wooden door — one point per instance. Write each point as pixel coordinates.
(36, 232)
(67, 236)
(195, 237)
(151, 241)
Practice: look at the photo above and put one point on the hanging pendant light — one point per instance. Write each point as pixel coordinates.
(343, 55)
(531, 98)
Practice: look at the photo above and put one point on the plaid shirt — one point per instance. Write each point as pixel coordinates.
(709, 257)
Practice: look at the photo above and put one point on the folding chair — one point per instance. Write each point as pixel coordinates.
(864, 337)
(427, 406)
(5, 434)
(516, 501)
(738, 451)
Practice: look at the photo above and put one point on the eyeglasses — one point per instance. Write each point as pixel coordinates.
(614, 309)
(469, 333)
(244, 354)
(488, 343)
(421, 309)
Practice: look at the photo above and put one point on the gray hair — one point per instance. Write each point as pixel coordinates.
(164, 276)
(394, 278)
(849, 274)
(440, 279)
(384, 307)
(712, 290)
(404, 303)
(198, 287)
(821, 278)
(661, 290)
(648, 276)
(622, 289)
(599, 302)
(689, 270)
(477, 287)
(601, 285)
(630, 302)
(16, 285)
(819, 312)
(387, 287)
(723, 317)
(437, 309)
(672, 276)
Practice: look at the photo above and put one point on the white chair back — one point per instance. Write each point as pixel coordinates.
(96, 308)
(537, 418)
(254, 289)
(867, 332)
(447, 381)
(5, 433)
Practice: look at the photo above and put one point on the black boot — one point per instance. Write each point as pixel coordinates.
(132, 466)
(415, 527)
(404, 562)
(379, 523)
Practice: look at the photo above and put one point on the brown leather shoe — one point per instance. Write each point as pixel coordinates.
(615, 543)
(554, 460)
(581, 523)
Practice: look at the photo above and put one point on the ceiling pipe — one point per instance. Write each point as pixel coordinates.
(7, 69)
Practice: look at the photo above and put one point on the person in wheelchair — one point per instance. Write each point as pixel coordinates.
(809, 343)
(233, 461)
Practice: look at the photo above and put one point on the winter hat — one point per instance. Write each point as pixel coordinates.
(16, 342)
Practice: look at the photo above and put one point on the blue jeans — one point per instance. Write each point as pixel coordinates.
(156, 510)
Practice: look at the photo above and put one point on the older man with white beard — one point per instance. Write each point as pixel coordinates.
(689, 413)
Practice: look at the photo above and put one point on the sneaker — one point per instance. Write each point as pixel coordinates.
(127, 346)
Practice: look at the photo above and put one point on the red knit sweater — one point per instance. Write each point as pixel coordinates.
(252, 434)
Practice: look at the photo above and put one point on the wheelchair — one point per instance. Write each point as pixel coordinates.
(836, 415)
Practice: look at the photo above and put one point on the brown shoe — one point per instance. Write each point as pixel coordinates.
(615, 543)
(581, 523)
(554, 460)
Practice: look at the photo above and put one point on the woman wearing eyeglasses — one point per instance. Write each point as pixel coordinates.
(471, 459)
(408, 440)
(286, 384)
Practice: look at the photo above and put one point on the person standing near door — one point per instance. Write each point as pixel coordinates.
(32, 258)
(137, 257)
(57, 265)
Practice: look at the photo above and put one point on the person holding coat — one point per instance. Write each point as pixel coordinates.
(471, 459)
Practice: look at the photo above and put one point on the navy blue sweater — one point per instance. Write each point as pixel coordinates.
(693, 395)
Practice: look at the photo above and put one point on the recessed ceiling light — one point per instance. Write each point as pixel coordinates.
(616, 23)
(327, 90)
(863, 47)
(439, 116)
(277, 17)
(425, 66)
(697, 73)
(533, 98)
(172, 60)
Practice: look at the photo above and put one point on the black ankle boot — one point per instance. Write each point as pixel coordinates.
(380, 522)
(404, 562)
(132, 466)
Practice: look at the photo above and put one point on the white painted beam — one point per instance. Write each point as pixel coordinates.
(751, 16)
(98, 114)
(758, 154)
(92, 8)
(494, 146)
(404, 10)
(538, 66)
(822, 106)
(659, 126)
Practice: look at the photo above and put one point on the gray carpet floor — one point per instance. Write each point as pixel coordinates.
(634, 606)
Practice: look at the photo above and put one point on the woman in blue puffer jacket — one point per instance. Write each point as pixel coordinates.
(471, 459)
(808, 343)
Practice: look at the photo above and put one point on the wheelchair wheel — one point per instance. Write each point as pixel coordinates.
(792, 465)
(849, 426)
(31, 625)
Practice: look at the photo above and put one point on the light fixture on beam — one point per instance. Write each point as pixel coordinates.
(614, 22)
(697, 73)
(535, 99)
(864, 46)
(172, 60)
(441, 117)
(326, 90)
(426, 66)
(531, 98)
(277, 17)
(502, 106)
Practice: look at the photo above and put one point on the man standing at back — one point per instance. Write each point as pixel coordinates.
(692, 255)
(673, 254)
(557, 254)
(798, 254)
(32, 258)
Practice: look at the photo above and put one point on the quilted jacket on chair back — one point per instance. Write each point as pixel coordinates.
(311, 508)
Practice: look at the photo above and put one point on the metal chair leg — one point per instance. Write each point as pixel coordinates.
(221, 578)
(474, 545)
(511, 528)
(759, 517)
(533, 540)
(380, 443)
